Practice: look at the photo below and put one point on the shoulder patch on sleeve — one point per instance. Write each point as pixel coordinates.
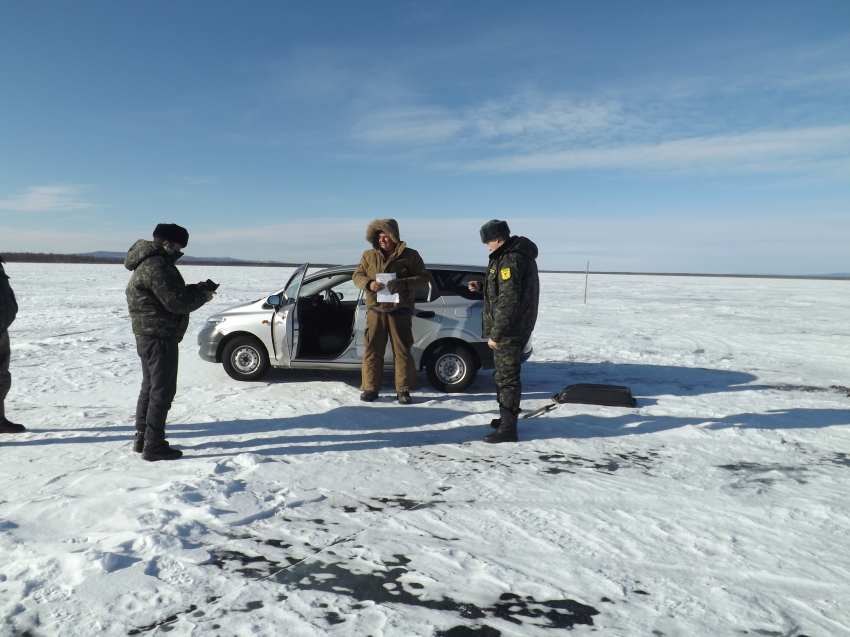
(506, 274)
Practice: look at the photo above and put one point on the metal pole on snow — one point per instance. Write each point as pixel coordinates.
(586, 273)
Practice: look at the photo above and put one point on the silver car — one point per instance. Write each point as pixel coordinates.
(317, 322)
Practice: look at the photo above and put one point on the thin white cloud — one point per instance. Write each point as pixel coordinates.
(530, 133)
(522, 121)
(560, 119)
(197, 180)
(823, 147)
(412, 125)
(786, 241)
(46, 199)
(791, 239)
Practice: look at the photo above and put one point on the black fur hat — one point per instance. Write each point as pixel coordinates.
(494, 229)
(172, 232)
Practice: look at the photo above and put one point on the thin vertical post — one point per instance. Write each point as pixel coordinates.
(586, 273)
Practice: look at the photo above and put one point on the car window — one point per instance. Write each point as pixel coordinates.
(294, 282)
(341, 284)
(456, 283)
(347, 289)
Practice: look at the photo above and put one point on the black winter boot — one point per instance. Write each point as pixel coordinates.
(160, 451)
(507, 427)
(497, 421)
(9, 427)
(404, 397)
(368, 396)
(139, 442)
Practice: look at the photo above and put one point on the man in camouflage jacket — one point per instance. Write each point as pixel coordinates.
(160, 303)
(392, 321)
(8, 311)
(511, 296)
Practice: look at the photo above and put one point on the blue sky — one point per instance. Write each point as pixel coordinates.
(656, 136)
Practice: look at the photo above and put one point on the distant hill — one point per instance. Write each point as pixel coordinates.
(120, 255)
(104, 257)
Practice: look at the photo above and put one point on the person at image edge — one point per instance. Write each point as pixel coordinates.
(8, 312)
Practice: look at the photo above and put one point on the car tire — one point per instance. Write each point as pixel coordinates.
(451, 368)
(245, 358)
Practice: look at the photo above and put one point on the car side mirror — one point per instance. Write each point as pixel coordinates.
(274, 300)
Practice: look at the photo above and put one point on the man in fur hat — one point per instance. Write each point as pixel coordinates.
(392, 321)
(511, 294)
(159, 302)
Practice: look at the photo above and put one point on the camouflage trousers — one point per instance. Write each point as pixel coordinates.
(381, 327)
(5, 376)
(159, 358)
(508, 385)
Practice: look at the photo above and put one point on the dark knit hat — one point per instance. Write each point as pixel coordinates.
(494, 229)
(172, 232)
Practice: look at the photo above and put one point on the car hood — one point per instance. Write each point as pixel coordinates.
(243, 308)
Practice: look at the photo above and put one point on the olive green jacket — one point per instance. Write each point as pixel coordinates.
(157, 296)
(511, 293)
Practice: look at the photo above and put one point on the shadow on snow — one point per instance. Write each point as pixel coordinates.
(360, 427)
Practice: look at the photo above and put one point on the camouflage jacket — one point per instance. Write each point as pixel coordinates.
(157, 296)
(8, 304)
(511, 293)
(407, 265)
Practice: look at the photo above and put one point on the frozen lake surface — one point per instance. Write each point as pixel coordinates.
(718, 507)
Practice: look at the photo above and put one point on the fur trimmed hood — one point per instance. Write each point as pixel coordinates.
(385, 226)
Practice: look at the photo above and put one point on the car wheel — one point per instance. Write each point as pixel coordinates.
(451, 368)
(245, 358)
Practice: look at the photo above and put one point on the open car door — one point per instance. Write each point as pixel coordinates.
(285, 324)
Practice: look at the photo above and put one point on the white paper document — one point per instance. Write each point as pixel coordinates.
(384, 295)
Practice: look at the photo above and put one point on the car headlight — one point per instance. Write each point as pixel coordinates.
(214, 322)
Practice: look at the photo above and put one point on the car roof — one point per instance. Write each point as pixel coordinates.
(343, 269)
(455, 266)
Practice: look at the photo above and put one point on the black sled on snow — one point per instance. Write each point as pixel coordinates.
(589, 394)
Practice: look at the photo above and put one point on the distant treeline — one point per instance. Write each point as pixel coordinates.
(50, 257)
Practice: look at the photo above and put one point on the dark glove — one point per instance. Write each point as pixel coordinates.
(397, 285)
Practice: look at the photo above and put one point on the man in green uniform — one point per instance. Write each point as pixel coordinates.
(8, 311)
(393, 320)
(160, 302)
(511, 296)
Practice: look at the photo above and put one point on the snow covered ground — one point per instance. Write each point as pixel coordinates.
(718, 507)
